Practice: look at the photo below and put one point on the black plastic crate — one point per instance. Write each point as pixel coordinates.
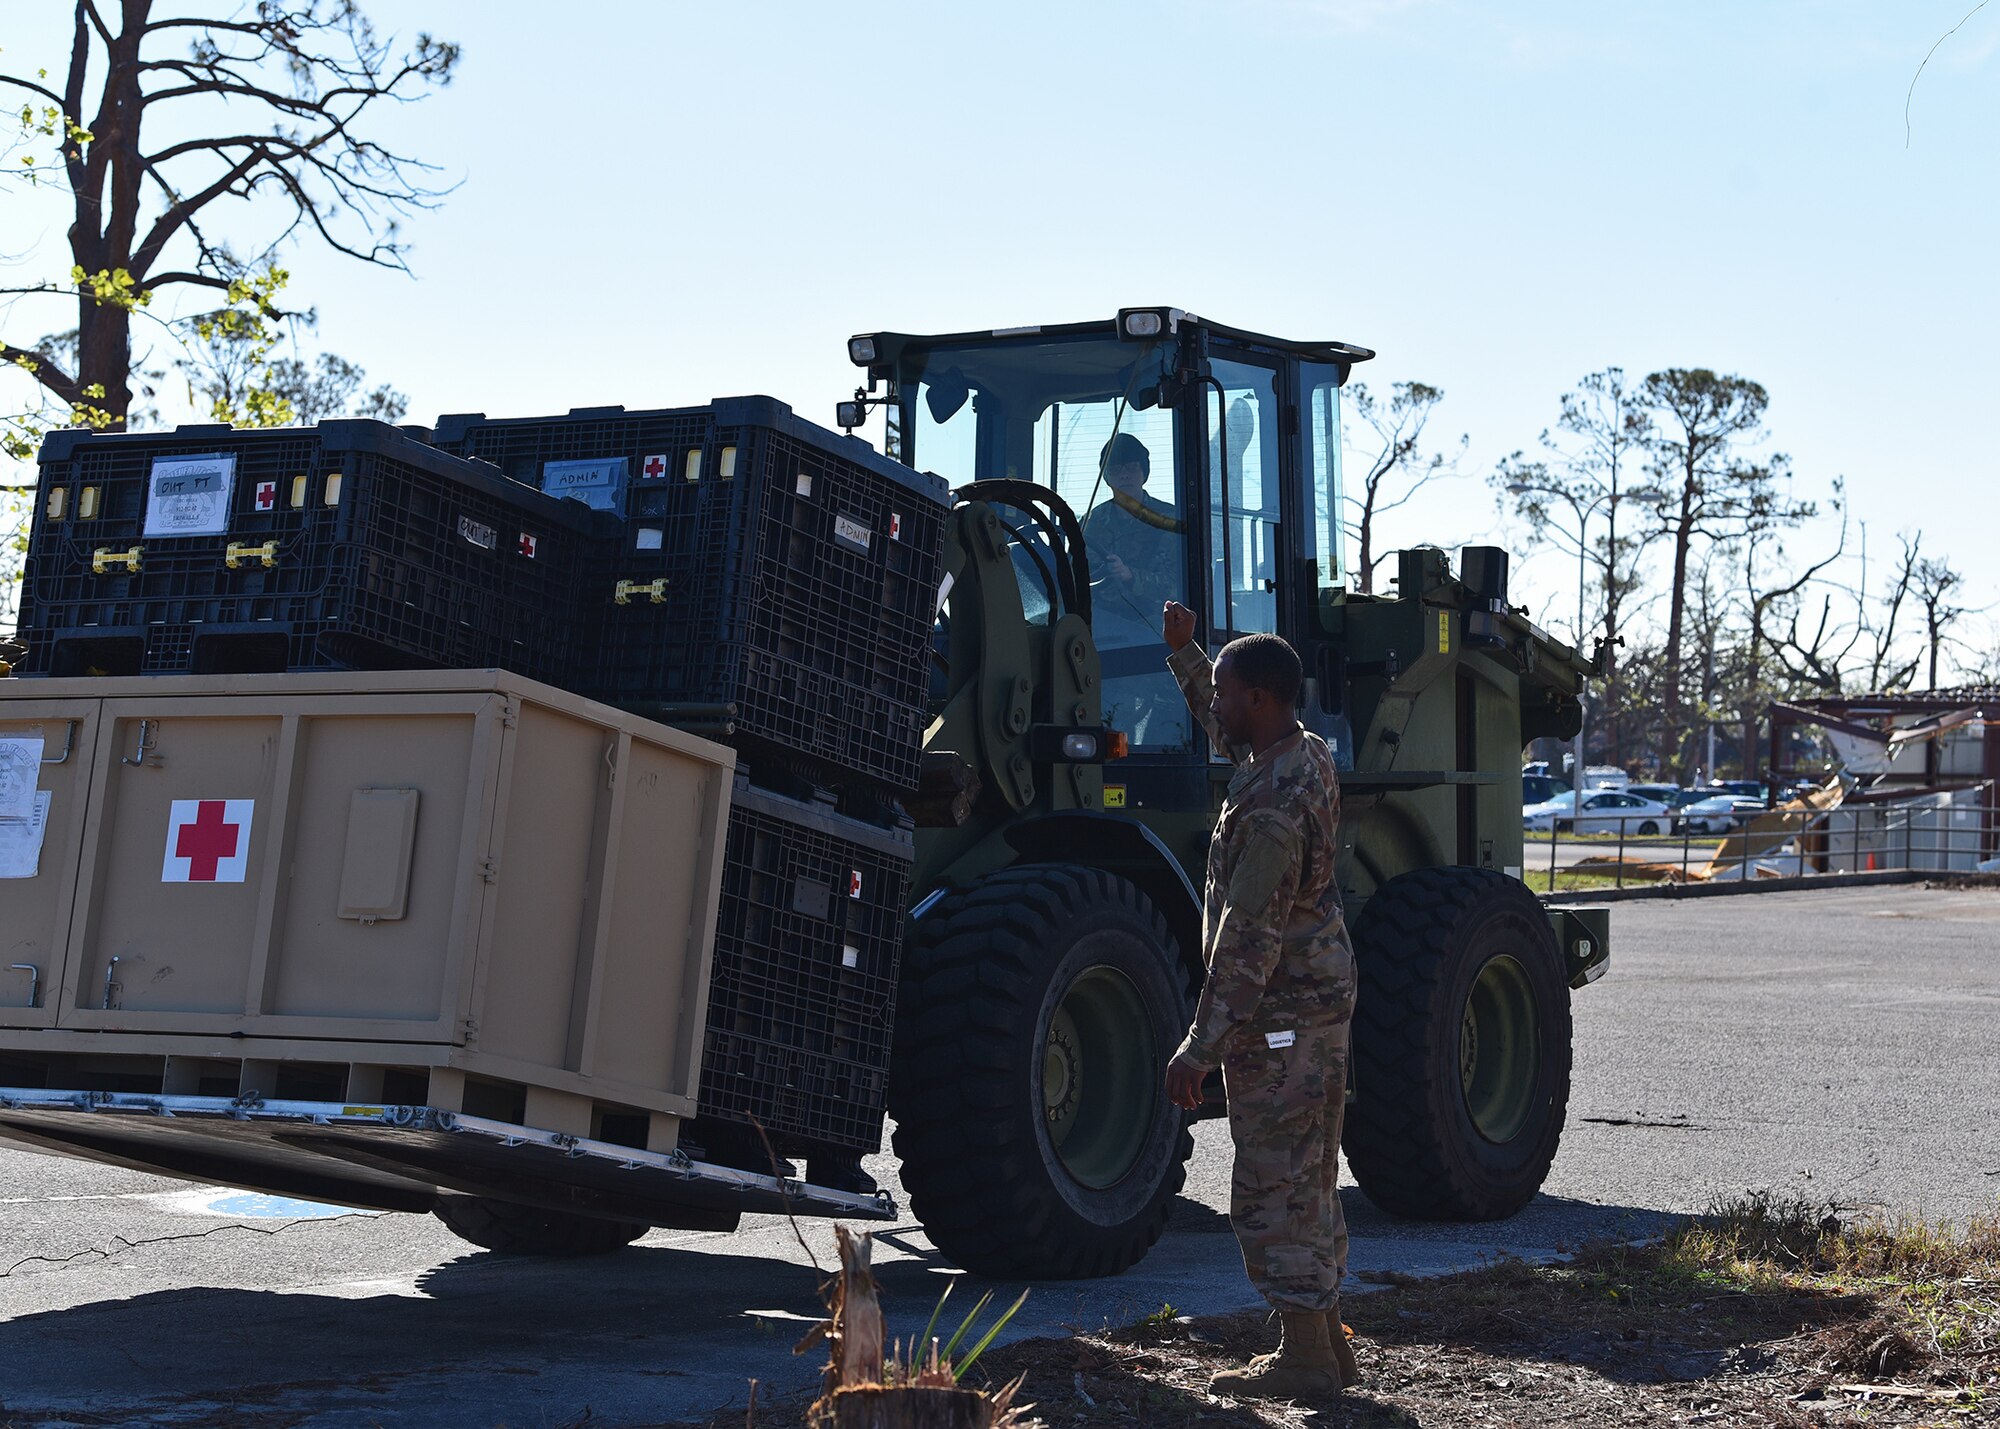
(802, 986)
(773, 577)
(350, 545)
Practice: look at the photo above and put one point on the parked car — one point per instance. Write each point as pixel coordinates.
(1605, 811)
(1743, 788)
(1672, 795)
(1540, 788)
(1720, 815)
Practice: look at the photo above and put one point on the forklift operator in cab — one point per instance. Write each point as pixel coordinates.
(1134, 539)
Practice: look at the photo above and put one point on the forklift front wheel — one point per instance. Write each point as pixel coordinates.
(1037, 1012)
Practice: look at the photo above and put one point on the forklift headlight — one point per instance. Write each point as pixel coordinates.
(849, 415)
(861, 350)
(1066, 744)
(1143, 322)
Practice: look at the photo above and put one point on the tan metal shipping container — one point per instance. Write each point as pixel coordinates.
(454, 888)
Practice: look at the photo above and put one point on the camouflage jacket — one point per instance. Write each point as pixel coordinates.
(1273, 938)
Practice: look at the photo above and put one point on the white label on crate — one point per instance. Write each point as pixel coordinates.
(854, 883)
(895, 525)
(20, 771)
(189, 495)
(21, 840)
(653, 468)
(481, 535)
(650, 538)
(851, 533)
(598, 483)
(850, 956)
(208, 841)
(805, 485)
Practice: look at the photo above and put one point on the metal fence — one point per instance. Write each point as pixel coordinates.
(1955, 831)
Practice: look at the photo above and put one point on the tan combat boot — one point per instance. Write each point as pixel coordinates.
(1343, 1352)
(1303, 1368)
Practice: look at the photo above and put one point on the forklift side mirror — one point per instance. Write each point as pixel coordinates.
(946, 395)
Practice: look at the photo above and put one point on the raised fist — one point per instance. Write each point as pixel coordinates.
(1177, 623)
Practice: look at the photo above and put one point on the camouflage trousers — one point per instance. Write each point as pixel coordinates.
(1285, 1106)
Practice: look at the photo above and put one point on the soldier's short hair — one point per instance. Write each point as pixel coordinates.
(1265, 662)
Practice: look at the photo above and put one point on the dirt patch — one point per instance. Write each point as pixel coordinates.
(1764, 1314)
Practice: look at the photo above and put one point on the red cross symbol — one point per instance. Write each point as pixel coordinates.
(655, 467)
(267, 495)
(527, 545)
(207, 841)
(895, 525)
(854, 883)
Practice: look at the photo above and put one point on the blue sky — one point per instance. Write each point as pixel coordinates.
(661, 203)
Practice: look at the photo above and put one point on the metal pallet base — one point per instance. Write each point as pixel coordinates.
(399, 1158)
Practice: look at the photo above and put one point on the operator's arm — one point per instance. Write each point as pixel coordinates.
(1249, 939)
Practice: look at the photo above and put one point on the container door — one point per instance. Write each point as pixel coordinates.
(176, 865)
(285, 866)
(46, 749)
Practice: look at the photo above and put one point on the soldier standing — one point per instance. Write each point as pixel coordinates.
(1276, 1005)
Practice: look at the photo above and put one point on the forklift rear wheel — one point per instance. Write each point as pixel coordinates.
(1037, 1013)
(514, 1229)
(1461, 1046)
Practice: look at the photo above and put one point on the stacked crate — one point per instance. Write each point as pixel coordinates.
(773, 586)
(349, 545)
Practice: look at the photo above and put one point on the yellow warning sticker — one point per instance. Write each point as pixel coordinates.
(1444, 632)
(1114, 796)
(361, 1111)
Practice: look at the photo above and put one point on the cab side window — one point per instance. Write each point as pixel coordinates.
(1244, 489)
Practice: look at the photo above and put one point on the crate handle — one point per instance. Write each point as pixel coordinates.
(137, 758)
(69, 746)
(239, 553)
(655, 591)
(104, 557)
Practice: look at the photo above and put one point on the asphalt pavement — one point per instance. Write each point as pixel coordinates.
(1836, 1044)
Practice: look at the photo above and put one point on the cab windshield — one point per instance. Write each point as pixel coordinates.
(1083, 418)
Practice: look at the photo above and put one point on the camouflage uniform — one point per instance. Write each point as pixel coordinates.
(1155, 556)
(1277, 1003)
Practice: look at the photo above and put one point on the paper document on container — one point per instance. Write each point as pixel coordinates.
(20, 771)
(21, 840)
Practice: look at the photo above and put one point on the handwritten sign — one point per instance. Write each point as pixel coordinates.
(189, 496)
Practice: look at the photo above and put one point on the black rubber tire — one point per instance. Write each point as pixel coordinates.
(1422, 941)
(984, 972)
(514, 1229)
(1565, 826)
(1648, 829)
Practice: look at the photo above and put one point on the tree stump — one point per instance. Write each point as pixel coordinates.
(875, 1406)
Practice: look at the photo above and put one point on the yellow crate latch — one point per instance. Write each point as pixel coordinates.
(238, 553)
(655, 591)
(103, 558)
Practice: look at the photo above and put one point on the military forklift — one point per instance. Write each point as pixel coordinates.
(1068, 791)
(1051, 953)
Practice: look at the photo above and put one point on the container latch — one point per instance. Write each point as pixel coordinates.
(104, 557)
(267, 554)
(655, 591)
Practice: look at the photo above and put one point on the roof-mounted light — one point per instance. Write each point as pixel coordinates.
(1146, 324)
(861, 350)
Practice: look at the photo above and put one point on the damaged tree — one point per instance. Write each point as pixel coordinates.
(277, 97)
(870, 1384)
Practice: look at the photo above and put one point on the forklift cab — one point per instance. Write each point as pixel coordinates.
(1201, 461)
